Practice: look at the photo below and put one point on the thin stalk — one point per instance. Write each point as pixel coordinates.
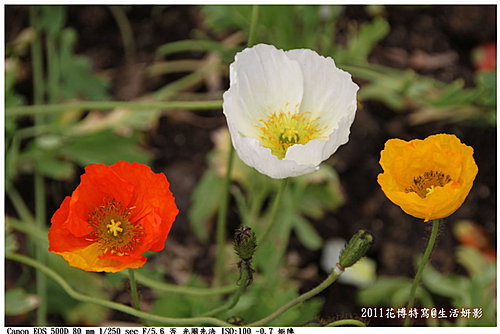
(303, 297)
(421, 266)
(274, 211)
(19, 205)
(233, 301)
(171, 288)
(221, 221)
(107, 105)
(253, 25)
(40, 210)
(125, 31)
(222, 217)
(133, 292)
(41, 279)
(344, 322)
(112, 305)
(53, 69)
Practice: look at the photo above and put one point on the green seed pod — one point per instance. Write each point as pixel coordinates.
(355, 249)
(244, 242)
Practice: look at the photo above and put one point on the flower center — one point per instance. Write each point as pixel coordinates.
(112, 230)
(424, 185)
(284, 129)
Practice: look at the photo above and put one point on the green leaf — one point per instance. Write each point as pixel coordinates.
(205, 202)
(381, 292)
(104, 147)
(452, 286)
(18, 302)
(472, 260)
(77, 78)
(306, 233)
(179, 305)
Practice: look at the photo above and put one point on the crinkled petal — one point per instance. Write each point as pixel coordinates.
(88, 259)
(329, 92)
(263, 80)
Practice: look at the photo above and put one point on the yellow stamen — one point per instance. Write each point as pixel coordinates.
(284, 129)
(114, 227)
(425, 184)
(429, 191)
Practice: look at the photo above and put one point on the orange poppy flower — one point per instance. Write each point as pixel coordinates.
(429, 178)
(116, 214)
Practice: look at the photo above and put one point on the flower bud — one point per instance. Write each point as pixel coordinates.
(245, 242)
(355, 249)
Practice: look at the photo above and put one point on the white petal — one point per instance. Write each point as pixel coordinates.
(329, 92)
(253, 154)
(263, 80)
(316, 151)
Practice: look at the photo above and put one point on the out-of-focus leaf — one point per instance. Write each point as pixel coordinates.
(261, 300)
(76, 75)
(17, 302)
(472, 260)
(104, 147)
(87, 314)
(179, 305)
(362, 42)
(11, 244)
(45, 161)
(380, 292)
(205, 202)
(12, 99)
(452, 286)
(306, 233)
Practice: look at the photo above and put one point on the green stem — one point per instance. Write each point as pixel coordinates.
(112, 305)
(125, 31)
(222, 217)
(133, 292)
(37, 61)
(106, 105)
(303, 297)
(421, 266)
(40, 209)
(171, 288)
(233, 301)
(221, 221)
(19, 205)
(41, 279)
(274, 211)
(253, 25)
(53, 69)
(344, 322)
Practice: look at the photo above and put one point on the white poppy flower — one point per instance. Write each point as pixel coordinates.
(287, 111)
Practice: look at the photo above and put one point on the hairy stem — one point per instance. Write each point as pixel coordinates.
(421, 266)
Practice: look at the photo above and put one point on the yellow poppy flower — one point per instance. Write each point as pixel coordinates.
(429, 178)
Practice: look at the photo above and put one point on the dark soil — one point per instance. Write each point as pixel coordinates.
(180, 146)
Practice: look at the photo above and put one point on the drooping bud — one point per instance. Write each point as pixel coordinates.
(355, 249)
(245, 242)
